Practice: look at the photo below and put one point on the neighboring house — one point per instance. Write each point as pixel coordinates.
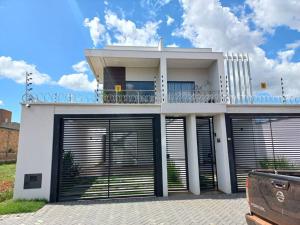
(9, 137)
(166, 120)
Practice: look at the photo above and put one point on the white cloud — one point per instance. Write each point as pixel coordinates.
(81, 67)
(293, 45)
(78, 81)
(96, 30)
(127, 33)
(206, 23)
(153, 6)
(269, 14)
(16, 70)
(286, 56)
(173, 45)
(170, 20)
(1, 102)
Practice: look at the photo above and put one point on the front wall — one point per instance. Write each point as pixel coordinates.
(36, 140)
(35, 150)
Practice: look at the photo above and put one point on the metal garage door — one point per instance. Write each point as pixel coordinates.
(206, 155)
(176, 154)
(106, 157)
(264, 142)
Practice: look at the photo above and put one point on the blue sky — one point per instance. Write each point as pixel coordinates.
(49, 37)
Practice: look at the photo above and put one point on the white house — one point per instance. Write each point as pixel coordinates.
(166, 120)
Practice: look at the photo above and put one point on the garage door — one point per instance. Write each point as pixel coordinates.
(106, 158)
(264, 142)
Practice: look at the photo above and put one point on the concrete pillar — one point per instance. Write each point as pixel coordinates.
(164, 155)
(192, 155)
(222, 159)
(163, 78)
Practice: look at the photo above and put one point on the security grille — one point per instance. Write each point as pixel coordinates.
(104, 158)
(176, 154)
(265, 142)
(205, 153)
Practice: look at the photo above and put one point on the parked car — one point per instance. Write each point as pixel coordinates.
(273, 197)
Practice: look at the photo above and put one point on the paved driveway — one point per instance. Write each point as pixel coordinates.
(207, 209)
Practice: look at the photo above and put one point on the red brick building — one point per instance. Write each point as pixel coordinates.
(9, 137)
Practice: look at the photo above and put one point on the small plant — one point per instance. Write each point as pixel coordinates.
(277, 163)
(69, 166)
(173, 174)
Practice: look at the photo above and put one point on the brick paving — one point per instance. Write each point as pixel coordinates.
(205, 209)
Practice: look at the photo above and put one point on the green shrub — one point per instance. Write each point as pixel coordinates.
(277, 163)
(69, 165)
(173, 174)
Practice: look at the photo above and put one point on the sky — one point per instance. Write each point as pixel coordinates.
(48, 38)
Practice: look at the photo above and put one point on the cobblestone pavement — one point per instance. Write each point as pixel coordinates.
(206, 209)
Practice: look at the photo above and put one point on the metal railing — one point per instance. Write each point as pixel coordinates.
(101, 97)
(194, 97)
(153, 97)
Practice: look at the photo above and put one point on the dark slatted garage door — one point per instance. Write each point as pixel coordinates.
(264, 142)
(106, 157)
(206, 153)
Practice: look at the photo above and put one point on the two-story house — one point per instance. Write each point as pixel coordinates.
(163, 121)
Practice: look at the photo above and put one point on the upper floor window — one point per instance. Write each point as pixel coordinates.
(139, 85)
(180, 91)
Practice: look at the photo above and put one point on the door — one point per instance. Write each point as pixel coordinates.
(206, 154)
(107, 157)
(176, 154)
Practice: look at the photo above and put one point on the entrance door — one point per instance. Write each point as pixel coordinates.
(176, 154)
(106, 157)
(206, 156)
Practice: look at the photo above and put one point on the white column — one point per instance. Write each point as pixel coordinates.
(164, 155)
(163, 78)
(222, 160)
(192, 155)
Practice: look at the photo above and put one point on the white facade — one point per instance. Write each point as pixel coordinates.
(202, 66)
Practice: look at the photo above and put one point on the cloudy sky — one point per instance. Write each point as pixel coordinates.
(48, 38)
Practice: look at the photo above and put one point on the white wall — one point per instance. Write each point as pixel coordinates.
(214, 79)
(141, 73)
(192, 154)
(200, 76)
(222, 160)
(35, 151)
